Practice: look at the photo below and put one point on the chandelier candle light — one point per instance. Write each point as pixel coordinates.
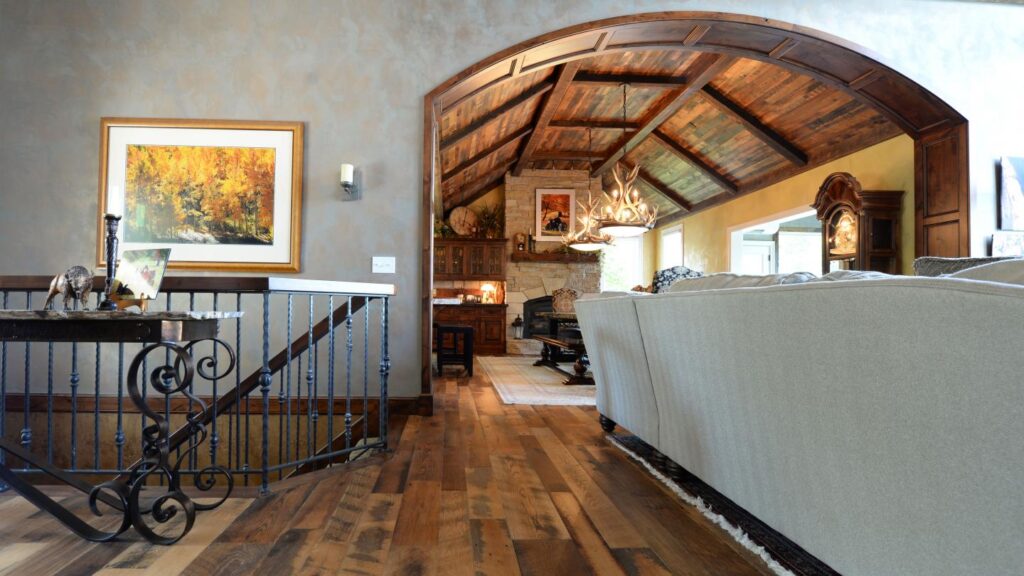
(625, 214)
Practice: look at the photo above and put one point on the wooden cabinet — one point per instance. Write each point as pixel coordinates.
(487, 320)
(860, 229)
(469, 259)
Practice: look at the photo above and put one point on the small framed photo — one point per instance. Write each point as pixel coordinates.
(556, 213)
(224, 194)
(1008, 243)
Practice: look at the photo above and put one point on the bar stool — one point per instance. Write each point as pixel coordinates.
(454, 353)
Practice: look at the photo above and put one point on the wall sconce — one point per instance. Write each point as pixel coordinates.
(348, 182)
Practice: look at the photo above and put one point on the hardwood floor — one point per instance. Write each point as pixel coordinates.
(479, 488)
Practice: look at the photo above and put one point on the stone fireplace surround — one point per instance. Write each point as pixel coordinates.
(528, 280)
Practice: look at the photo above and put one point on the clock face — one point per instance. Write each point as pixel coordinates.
(463, 221)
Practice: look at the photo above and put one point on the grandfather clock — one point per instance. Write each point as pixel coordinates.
(860, 229)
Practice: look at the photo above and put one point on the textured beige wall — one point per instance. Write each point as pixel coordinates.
(885, 166)
(356, 72)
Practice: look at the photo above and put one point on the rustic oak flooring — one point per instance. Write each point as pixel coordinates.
(480, 488)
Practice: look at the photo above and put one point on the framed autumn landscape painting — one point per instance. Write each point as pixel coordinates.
(221, 194)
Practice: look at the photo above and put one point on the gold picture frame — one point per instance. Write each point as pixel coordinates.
(223, 194)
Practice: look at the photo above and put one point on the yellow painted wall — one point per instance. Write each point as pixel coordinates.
(492, 198)
(885, 166)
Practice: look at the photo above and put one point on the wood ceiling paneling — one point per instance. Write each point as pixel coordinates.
(751, 124)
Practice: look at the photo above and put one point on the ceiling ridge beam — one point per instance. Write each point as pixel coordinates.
(546, 111)
(596, 124)
(498, 112)
(477, 188)
(758, 129)
(663, 189)
(706, 67)
(581, 155)
(517, 135)
(696, 161)
(636, 80)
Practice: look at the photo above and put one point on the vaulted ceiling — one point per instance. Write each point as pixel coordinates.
(703, 126)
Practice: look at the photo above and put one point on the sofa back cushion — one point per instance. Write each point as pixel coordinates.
(1004, 271)
(729, 280)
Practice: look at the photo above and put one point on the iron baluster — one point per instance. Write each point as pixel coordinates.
(96, 410)
(214, 435)
(385, 366)
(366, 371)
(309, 384)
(49, 402)
(26, 429)
(3, 396)
(315, 419)
(265, 382)
(74, 405)
(330, 378)
(167, 398)
(191, 439)
(348, 375)
(238, 384)
(288, 384)
(119, 435)
(298, 408)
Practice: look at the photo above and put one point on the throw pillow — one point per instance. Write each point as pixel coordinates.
(663, 279)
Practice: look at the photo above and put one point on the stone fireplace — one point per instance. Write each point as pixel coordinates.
(527, 281)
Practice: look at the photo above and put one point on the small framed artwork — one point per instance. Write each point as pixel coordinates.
(556, 213)
(1008, 243)
(224, 194)
(1011, 193)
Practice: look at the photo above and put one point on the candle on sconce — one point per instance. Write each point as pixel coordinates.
(347, 173)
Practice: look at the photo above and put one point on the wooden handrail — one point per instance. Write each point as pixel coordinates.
(232, 284)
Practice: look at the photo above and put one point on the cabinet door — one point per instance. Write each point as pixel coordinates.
(492, 332)
(476, 267)
(457, 261)
(441, 257)
(496, 262)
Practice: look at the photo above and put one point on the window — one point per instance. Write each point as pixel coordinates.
(622, 265)
(671, 253)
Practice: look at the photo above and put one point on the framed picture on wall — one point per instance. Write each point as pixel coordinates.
(1011, 193)
(555, 213)
(224, 194)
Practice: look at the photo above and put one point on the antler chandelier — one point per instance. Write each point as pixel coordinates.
(587, 238)
(625, 214)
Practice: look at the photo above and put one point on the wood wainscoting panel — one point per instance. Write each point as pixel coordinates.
(942, 193)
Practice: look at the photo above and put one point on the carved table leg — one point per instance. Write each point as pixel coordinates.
(607, 424)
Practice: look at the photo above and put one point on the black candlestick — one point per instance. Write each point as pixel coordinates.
(110, 221)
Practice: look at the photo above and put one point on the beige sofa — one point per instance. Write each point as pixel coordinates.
(877, 423)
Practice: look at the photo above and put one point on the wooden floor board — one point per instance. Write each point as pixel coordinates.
(480, 488)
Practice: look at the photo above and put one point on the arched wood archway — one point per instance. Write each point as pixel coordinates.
(939, 131)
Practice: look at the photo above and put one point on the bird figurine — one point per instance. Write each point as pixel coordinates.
(75, 284)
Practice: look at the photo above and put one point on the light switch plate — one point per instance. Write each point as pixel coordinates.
(383, 264)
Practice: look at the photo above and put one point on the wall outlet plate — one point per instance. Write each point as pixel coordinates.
(383, 264)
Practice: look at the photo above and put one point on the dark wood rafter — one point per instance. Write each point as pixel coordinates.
(493, 115)
(663, 189)
(513, 137)
(773, 139)
(596, 124)
(477, 188)
(545, 112)
(702, 71)
(634, 80)
(696, 161)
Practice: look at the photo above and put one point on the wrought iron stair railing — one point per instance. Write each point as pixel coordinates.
(253, 432)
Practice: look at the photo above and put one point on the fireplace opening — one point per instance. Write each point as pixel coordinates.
(534, 325)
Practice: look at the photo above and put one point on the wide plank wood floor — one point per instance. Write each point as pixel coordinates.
(480, 488)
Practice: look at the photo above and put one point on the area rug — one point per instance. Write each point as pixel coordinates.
(518, 381)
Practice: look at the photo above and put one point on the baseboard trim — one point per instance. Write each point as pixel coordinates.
(788, 554)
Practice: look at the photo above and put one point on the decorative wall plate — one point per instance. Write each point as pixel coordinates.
(463, 221)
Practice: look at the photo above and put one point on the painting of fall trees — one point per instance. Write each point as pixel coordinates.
(199, 194)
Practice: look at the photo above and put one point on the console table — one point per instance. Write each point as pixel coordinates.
(176, 333)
